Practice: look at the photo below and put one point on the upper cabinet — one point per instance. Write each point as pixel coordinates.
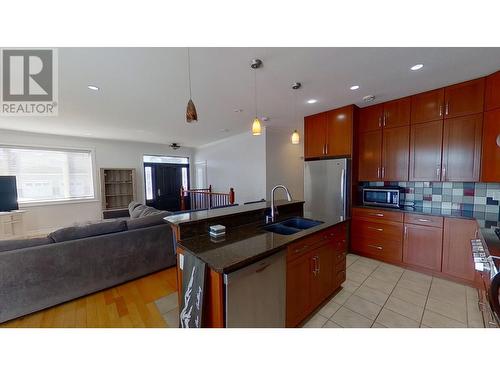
(462, 148)
(427, 106)
(491, 147)
(397, 113)
(339, 131)
(387, 115)
(329, 134)
(370, 118)
(370, 156)
(492, 96)
(425, 151)
(315, 135)
(466, 98)
(395, 153)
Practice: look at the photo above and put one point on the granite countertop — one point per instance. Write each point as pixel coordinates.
(191, 217)
(244, 245)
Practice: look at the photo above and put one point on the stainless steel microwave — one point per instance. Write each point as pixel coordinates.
(387, 196)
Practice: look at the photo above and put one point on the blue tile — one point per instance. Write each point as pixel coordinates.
(458, 185)
(468, 185)
(468, 207)
(437, 191)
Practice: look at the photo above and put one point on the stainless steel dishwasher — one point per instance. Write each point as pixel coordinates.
(255, 295)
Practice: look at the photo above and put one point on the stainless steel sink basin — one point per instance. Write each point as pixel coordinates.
(291, 226)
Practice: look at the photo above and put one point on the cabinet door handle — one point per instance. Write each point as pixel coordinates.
(377, 229)
(380, 121)
(406, 231)
(383, 172)
(376, 247)
(319, 264)
(378, 172)
(326, 149)
(447, 107)
(440, 110)
(444, 174)
(384, 120)
(437, 172)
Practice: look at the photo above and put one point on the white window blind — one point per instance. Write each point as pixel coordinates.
(45, 175)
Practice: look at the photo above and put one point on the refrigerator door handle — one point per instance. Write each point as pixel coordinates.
(342, 193)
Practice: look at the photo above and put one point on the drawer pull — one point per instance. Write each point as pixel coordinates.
(301, 249)
(379, 215)
(377, 229)
(376, 247)
(424, 220)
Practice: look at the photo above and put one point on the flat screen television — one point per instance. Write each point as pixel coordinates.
(8, 193)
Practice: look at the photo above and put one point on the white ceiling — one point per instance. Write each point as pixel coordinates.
(144, 91)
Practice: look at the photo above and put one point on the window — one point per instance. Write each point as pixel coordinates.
(45, 175)
(165, 159)
(149, 183)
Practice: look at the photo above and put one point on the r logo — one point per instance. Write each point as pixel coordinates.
(27, 75)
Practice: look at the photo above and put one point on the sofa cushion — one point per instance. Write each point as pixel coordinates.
(148, 221)
(136, 212)
(91, 230)
(131, 206)
(24, 243)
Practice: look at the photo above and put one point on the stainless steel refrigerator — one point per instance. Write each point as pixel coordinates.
(326, 189)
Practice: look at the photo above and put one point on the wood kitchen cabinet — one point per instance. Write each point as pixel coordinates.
(397, 113)
(492, 95)
(329, 134)
(457, 257)
(387, 115)
(298, 287)
(339, 132)
(315, 269)
(323, 277)
(464, 98)
(370, 118)
(427, 106)
(490, 160)
(462, 148)
(425, 151)
(369, 156)
(314, 135)
(395, 153)
(422, 246)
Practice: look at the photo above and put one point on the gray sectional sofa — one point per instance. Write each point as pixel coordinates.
(75, 261)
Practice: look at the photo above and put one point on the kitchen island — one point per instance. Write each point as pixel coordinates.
(312, 261)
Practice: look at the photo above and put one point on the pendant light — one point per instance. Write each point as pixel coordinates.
(256, 127)
(295, 135)
(191, 114)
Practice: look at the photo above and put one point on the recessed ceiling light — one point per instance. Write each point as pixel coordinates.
(417, 67)
(237, 110)
(312, 101)
(355, 87)
(93, 88)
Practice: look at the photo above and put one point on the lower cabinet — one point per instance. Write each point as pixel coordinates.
(429, 243)
(423, 246)
(315, 269)
(457, 257)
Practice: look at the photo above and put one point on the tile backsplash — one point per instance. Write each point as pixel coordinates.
(480, 198)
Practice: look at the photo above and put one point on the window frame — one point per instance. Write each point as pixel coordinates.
(95, 182)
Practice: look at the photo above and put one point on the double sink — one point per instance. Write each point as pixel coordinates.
(292, 226)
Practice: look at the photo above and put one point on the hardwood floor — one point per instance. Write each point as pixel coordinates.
(129, 305)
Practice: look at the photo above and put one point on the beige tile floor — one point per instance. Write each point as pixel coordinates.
(380, 295)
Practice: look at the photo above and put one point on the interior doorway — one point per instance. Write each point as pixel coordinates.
(163, 178)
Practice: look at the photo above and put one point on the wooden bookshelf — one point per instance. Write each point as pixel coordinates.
(118, 188)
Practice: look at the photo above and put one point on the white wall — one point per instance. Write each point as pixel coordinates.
(108, 154)
(238, 162)
(284, 162)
